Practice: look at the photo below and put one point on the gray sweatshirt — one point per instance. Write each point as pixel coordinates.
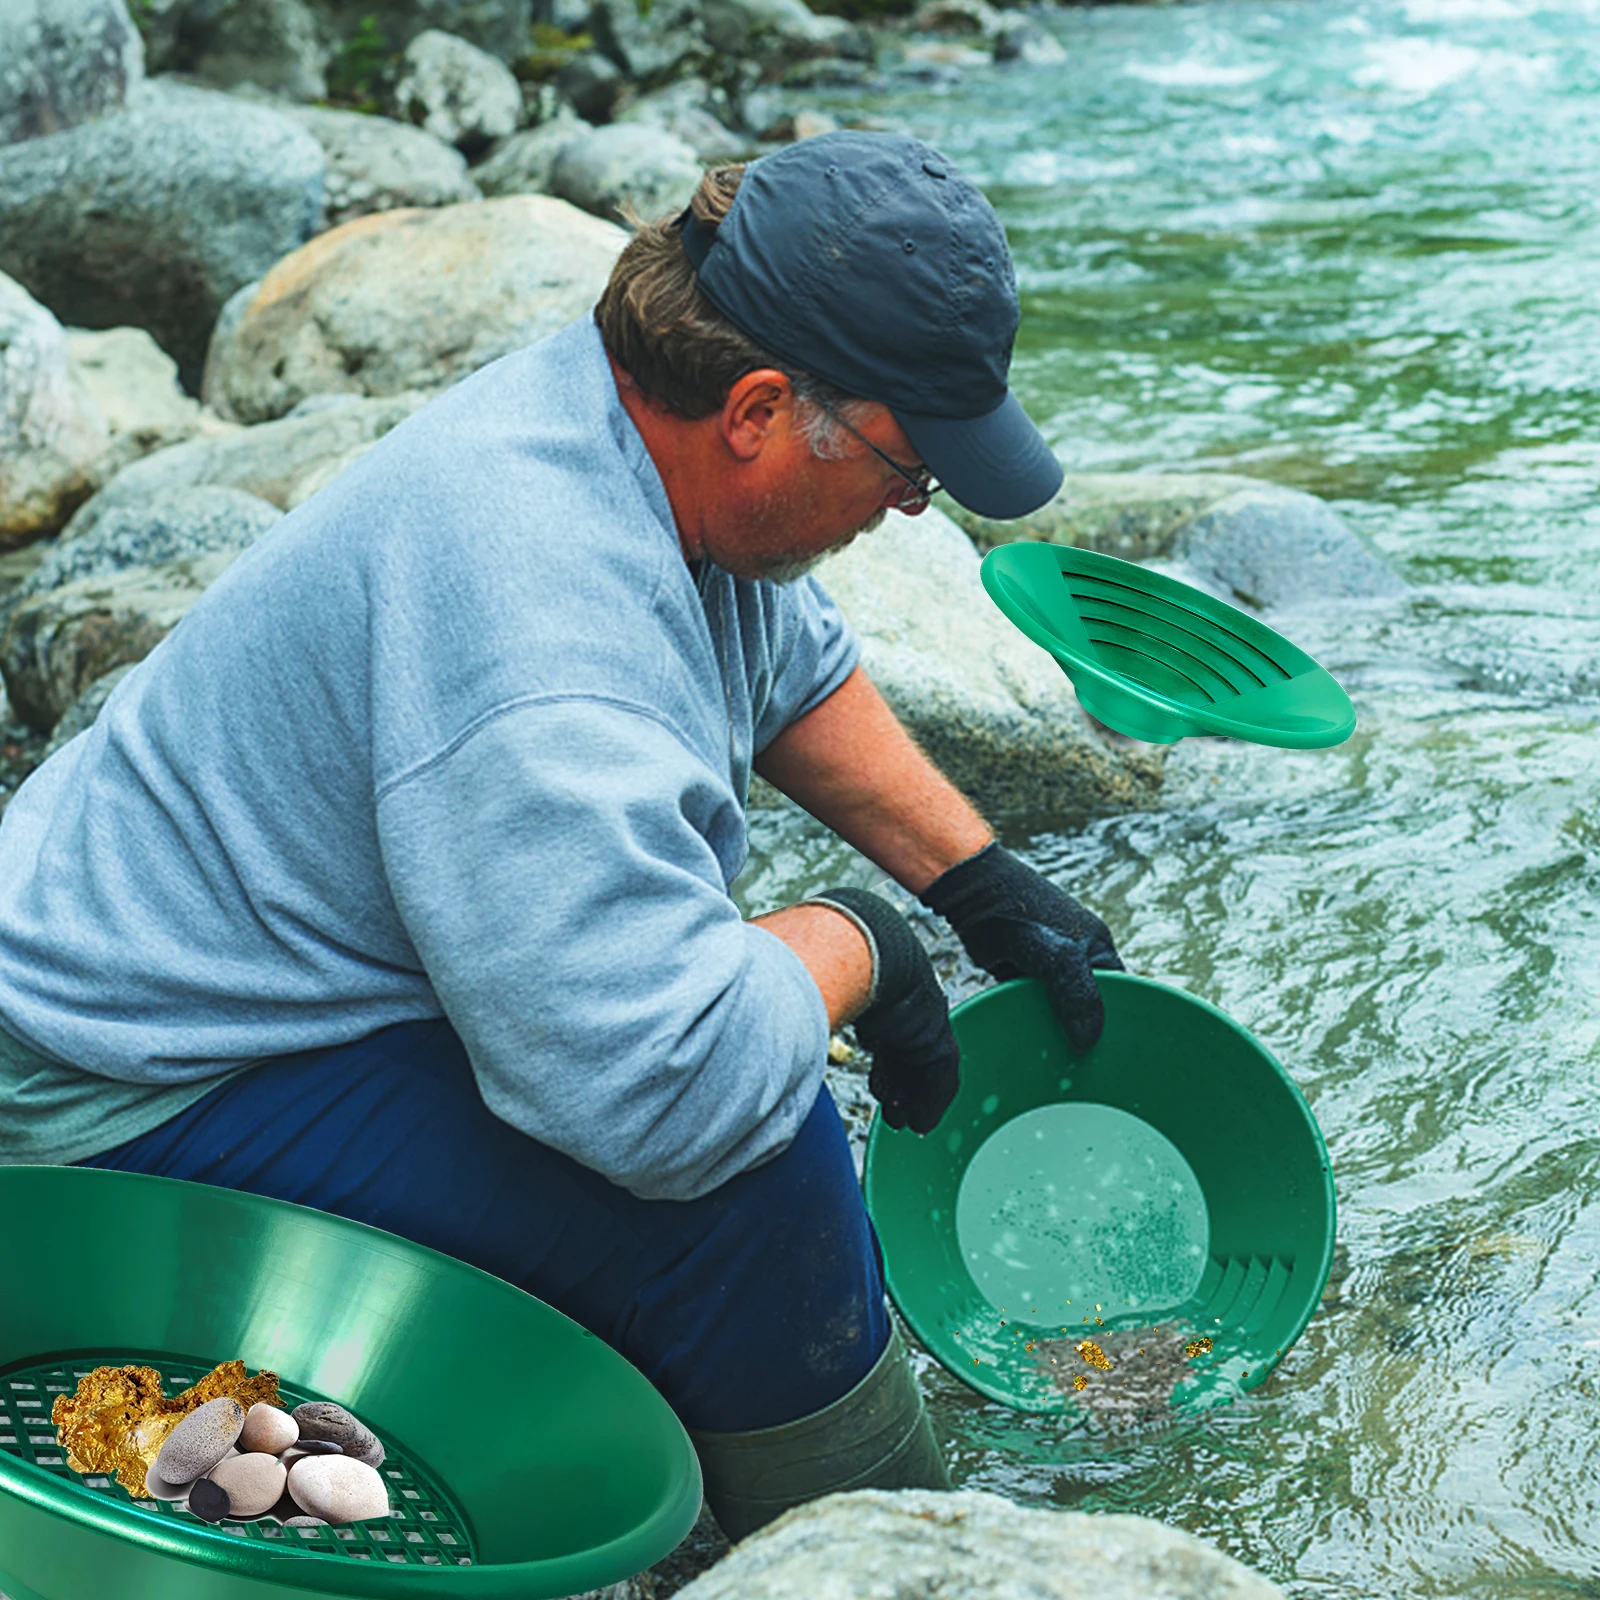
(462, 735)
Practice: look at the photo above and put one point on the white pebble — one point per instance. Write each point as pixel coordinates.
(254, 1482)
(269, 1428)
(338, 1489)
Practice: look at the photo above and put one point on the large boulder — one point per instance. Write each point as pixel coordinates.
(652, 44)
(522, 163)
(627, 165)
(1252, 542)
(378, 164)
(970, 1546)
(144, 533)
(153, 217)
(55, 644)
(274, 44)
(283, 462)
(458, 93)
(408, 300)
(52, 436)
(63, 62)
(991, 708)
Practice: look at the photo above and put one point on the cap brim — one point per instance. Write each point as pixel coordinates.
(997, 465)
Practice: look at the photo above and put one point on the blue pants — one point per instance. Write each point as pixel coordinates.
(756, 1304)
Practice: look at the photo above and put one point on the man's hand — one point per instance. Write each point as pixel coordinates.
(906, 1023)
(1015, 923)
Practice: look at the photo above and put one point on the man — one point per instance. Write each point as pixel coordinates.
(395, 881)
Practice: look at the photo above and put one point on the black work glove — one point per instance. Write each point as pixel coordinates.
(1015, 923)
(906, 1025)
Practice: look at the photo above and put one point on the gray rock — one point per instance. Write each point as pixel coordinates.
(134, 385)
(153, 217)
(200, 1440)
(776, 33)
(55, 644)
(305, 1522)
(627, 164)
(80, 716)
(1265, 546)
(991, 708)
(322, 1419)
(146, 533)
(522, 163)
(63, 62)
(652, 45)
(970, 1546)
(408, 300)
(500, 27)
(52, 435)
(274, 44)
(378, 164)
(1134, 515)
(691, 110)
(958, 16)
(283, 462)
(1025, 41)
(456, 92)
(592, 83)
(254, 1481)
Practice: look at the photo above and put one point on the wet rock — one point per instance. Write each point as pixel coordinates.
(626, 164)
(407, 300)
(64, 62)
(255, 1482)
(958, 16)
(268, 1428)
(456, 92)
(153, 217)
(378, 164)
(522, 163)
(992, 709)
(282, 462)
(338, 1489)
(200, 1440)
(209, 1501)
(1025, 41)
(52, 435)
(970, 1546)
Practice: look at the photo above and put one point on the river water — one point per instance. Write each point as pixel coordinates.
(1352, 248)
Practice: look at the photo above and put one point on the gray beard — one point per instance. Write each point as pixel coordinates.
(792, 571)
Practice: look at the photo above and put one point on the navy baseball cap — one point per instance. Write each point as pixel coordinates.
(869, 261)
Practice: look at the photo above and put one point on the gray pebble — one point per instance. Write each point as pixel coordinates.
(305, 1522)
(322, 1419)
(200, 1441)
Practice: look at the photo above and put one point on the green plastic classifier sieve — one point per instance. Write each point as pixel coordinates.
(1148, 1224)
(1157, 659)
(525, 1457)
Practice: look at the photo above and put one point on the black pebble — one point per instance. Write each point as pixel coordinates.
(319, 1447)
(210, 1501)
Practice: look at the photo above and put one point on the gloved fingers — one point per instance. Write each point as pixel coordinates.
(1106, 961)
(1075, 998)
(915, 1093)
(883, 1087)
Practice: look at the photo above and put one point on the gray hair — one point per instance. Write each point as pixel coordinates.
(813, 401)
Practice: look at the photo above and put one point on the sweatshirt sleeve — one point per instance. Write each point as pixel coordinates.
(553, 870)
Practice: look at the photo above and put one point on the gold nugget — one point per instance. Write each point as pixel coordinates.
(1198, 1347)
(1080, 1382)
(1094, 1355)
(119, 1419)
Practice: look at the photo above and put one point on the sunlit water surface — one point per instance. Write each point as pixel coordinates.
(1351, 248)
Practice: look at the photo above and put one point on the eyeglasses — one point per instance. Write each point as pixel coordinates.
(921, 485)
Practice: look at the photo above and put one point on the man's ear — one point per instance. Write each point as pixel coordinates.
(759, 410)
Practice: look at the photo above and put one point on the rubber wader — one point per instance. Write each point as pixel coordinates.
(876, 1437)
